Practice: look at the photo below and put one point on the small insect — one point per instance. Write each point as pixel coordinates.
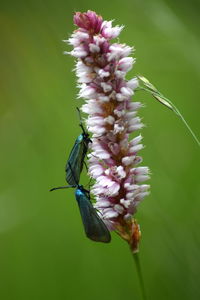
(77, 156)
(94, 227)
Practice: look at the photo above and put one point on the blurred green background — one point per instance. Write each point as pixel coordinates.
(43, 251)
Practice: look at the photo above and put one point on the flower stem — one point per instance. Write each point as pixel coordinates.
(139, 273)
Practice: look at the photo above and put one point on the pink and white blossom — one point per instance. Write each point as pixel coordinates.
(101, 68)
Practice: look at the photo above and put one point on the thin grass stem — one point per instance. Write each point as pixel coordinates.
(171, 106)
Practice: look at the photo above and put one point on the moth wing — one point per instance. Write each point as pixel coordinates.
(95, 228)
(74, 164)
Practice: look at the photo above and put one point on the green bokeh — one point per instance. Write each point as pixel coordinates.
(43, 251)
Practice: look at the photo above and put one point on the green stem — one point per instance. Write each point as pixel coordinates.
(187, 125)
(139, 273)
(172, 107)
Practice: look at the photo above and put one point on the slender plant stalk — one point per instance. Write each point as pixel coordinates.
(140, 276)
(165, 101)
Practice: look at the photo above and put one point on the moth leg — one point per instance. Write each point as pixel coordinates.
(85, 165)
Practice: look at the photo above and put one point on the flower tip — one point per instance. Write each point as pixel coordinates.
(89, 21)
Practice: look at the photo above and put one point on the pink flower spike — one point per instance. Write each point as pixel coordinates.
(101, 68)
